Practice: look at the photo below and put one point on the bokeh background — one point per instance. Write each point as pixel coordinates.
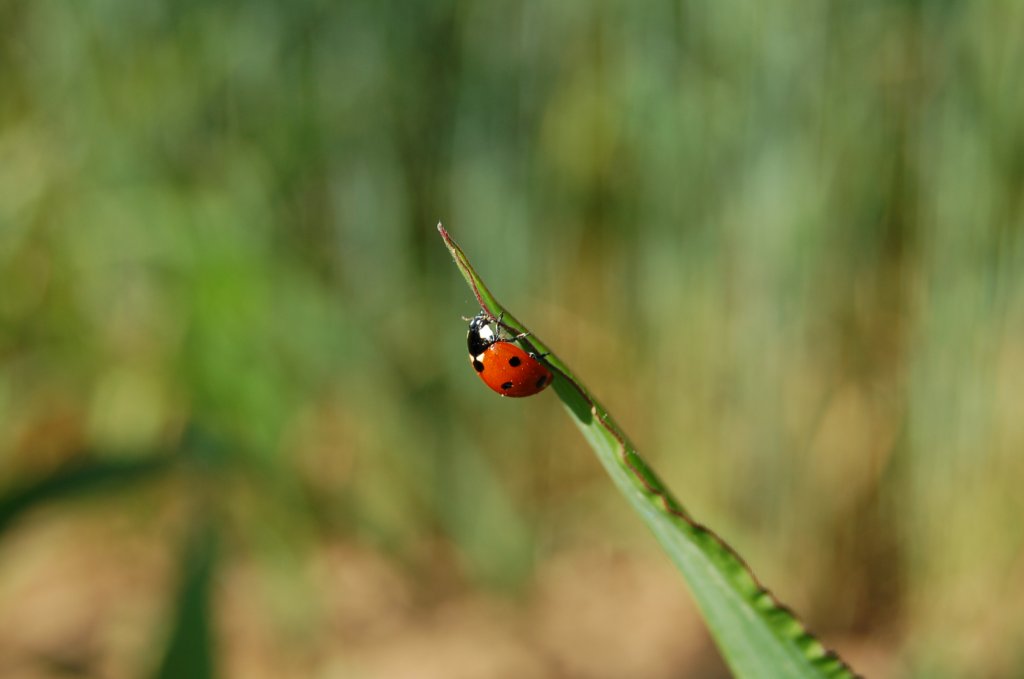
(238, 432)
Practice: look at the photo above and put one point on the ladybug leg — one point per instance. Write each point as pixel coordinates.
(513, 338)
(520, 336)
(501, 326)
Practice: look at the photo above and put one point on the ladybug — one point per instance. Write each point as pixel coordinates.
(502, 364)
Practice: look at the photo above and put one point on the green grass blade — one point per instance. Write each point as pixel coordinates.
(190, 651)
(80, 478)
(758, 636)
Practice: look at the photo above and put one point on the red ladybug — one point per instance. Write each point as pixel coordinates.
(503, 365)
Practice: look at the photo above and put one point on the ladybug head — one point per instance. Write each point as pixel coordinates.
(480, 334)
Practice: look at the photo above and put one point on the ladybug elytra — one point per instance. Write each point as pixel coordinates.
(503, 365)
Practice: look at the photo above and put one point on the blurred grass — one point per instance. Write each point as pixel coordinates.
(222, 216)
(191, 649)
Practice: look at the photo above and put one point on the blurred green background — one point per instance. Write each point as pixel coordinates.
(782, 243)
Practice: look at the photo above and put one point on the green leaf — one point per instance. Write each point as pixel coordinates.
(77, 479)
(190, 651)
(758, 636)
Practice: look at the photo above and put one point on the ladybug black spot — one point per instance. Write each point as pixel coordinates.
(514, 361)
(543, 379)
(478, 366)
(506, 385)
